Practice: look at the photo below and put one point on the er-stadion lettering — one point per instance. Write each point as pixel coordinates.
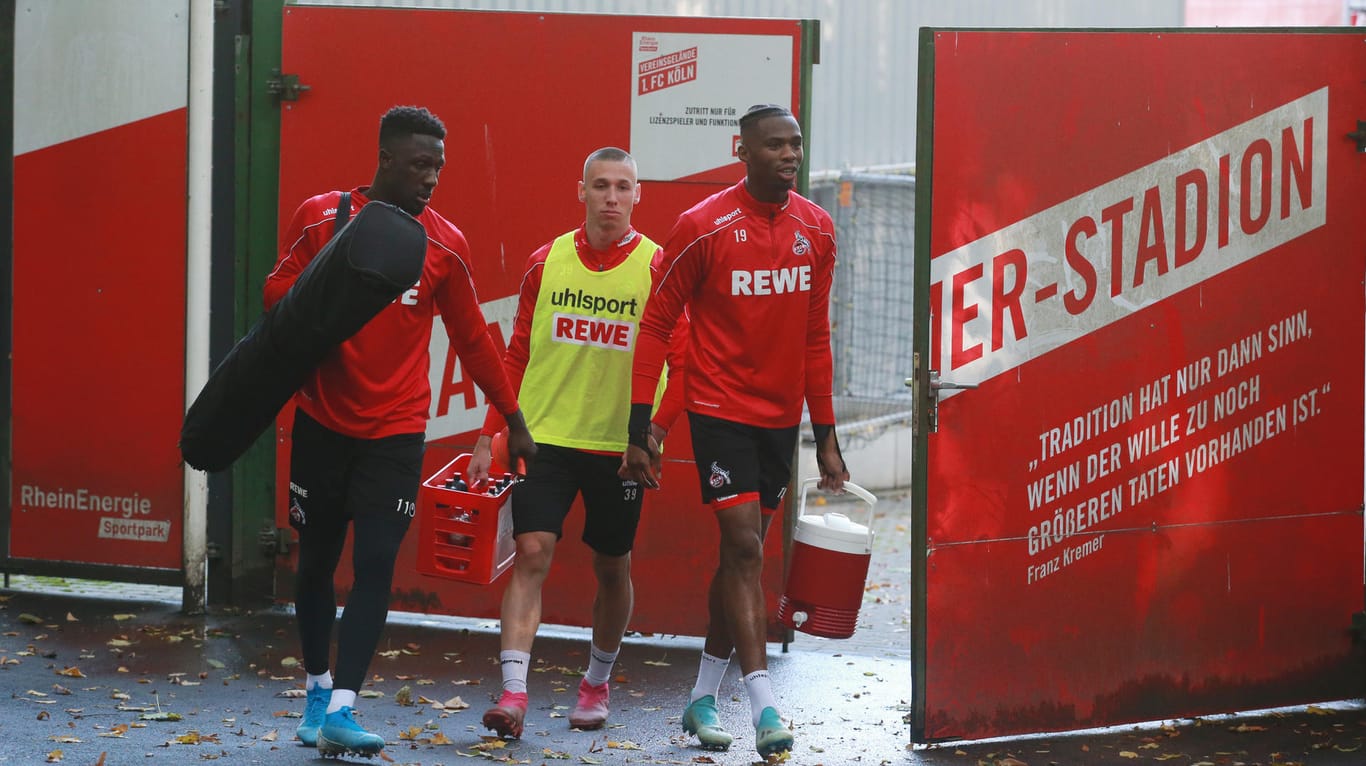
(1102, 255)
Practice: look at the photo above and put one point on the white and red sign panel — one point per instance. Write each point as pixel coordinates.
(99, 281)
(688, 92)
(1145, 250)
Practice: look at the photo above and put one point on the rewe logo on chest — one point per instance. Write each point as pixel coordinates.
(792, 279)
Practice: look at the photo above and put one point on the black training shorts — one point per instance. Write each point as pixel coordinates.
(611, 504)
(335, 479)
(738, 463)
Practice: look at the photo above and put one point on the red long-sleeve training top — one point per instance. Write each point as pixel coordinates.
(375, 384)
(755, 278)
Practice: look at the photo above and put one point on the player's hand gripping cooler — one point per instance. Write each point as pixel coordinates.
(369, 263)
(829, 568)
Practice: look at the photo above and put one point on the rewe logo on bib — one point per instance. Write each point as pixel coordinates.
(592, 331)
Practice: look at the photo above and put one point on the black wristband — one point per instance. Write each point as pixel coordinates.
(638, 428)
(820, 432)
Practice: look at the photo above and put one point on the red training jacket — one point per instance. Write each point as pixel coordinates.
(375, 384)
(755, 278)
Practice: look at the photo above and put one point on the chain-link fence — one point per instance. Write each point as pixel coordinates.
(870, 307)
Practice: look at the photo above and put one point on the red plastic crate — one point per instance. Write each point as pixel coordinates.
(464, 535)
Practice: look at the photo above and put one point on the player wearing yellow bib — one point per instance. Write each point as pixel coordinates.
(570, 356)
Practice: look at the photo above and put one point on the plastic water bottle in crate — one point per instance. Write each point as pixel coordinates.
(463, 533)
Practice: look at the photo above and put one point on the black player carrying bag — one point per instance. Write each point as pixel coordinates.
(368, 263)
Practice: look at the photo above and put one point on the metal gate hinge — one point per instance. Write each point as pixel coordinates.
(285, 87)
(1359, 136)
(274, 541)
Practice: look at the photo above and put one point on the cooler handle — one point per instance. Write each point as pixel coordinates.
(851, 488)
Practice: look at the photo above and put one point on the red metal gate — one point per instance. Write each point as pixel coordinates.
(1146, 251)
(525, 97)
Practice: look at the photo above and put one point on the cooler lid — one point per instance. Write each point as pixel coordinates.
(832, 530)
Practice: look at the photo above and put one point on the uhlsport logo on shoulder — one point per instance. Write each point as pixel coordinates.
(728, 217)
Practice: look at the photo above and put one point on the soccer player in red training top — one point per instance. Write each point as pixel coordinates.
(359, 430)
(753, 265)
(581, 300)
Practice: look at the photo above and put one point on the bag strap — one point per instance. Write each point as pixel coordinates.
(343, 213)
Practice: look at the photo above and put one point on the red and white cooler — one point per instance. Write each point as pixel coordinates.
(828, 568)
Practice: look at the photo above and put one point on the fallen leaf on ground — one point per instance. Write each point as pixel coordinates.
(71, 672)
(54, 756)
(124, 616)
(271, 735)
(166, 716)
(33, 619)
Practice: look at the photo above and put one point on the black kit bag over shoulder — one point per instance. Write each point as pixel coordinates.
(368, 263)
